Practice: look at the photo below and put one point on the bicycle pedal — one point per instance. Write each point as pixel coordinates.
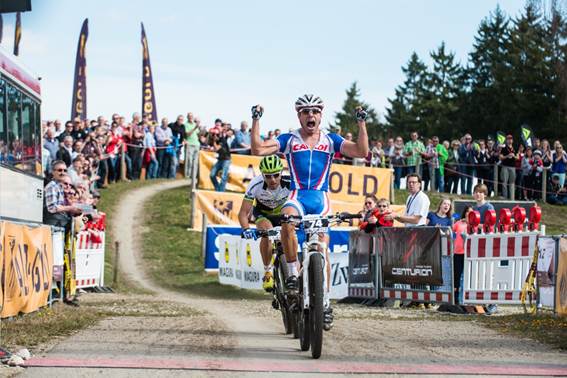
(275, 304)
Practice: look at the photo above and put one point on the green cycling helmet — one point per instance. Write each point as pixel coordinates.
(271, 164)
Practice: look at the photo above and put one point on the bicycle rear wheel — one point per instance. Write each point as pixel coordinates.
(280, 269)
(316, 308)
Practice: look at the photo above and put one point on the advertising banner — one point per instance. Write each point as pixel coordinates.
(27, 261)
(561, 292)
(546, 270)
(223, 207)
(410, 255)
(240, 265)
(347, 183)
(360, 258)
(216, 236)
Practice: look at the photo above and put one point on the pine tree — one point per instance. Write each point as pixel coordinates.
(346, 118)
(441, 102)
(486, 104)
(405, 112)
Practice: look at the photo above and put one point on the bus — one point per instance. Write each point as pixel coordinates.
(21, 172)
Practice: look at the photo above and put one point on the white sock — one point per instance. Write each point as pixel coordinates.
(267, 268)
(292, 268)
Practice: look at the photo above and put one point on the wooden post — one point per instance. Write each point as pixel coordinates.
(544, 185)
(495, 180)
(392, 190)
(123, 163)
(116, 262)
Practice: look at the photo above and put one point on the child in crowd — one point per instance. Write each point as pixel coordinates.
(459, 231)
(374, 216)
(480, 192)
(443, 216)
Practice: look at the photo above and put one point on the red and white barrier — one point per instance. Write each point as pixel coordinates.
(496, 266)
(89, 260)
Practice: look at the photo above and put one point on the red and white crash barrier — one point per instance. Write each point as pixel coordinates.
(89, 260)
(496, 266)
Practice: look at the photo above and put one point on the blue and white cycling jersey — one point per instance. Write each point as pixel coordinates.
(309, 169)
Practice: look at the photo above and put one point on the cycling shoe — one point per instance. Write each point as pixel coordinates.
(328, 318)
(291, 283)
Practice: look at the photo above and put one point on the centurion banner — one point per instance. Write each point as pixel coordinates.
(223, 207)
(148, 94)
(410, 255)
(79, 102)
(347, 183)
(27, 260)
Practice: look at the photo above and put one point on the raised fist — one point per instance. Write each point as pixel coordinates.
(361, 113)
(257, 112)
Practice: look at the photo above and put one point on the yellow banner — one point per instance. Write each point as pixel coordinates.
(223, 207)
(561, 281)
(27, 264)
(346, 182)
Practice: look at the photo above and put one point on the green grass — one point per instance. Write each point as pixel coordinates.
(553, 217)
(172, 254)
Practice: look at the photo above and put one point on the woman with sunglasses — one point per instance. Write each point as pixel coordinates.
(265, 196)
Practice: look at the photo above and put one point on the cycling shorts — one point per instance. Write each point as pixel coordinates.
(307, 201)
(259, 214)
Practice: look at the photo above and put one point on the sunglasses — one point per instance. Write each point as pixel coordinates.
(275, 175)
(61, 170)
(307, 111)
(369, 203)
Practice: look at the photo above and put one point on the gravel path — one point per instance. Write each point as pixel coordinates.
(371, 340)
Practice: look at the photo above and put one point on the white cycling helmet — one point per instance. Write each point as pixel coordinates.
(309, 101)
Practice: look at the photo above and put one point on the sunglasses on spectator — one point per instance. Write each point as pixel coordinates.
(369, 203)
(61, 170)
(275, 175)
(382, 206)
(307, 111)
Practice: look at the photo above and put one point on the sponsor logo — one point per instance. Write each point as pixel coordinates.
(305, 147)
(248, 255)
(339, 274)
(251, 276)
(419, 271)
(226, 272)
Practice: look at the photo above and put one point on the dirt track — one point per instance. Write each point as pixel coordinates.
(239, 335)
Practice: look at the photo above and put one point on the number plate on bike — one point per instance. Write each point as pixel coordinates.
(315, 224)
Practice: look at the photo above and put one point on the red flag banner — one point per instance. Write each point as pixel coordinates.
(79, 102)
(148, 94)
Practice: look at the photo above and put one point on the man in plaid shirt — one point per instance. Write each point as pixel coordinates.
(412, 151)
(56, 211)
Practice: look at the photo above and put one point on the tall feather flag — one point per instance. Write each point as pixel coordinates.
(18, 34)
(79, 102)
(148, 94)
(1, 28)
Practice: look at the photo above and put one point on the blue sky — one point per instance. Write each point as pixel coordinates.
(218, 58)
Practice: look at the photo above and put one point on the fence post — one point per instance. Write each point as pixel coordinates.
(433, 178)
(495, 179)
(204, 238)
(193, 209)
(544, 185)
(392, 190)
(123, 163)
(116, 262)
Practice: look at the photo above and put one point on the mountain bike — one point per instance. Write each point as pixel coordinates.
(280, 300)
(309, 305)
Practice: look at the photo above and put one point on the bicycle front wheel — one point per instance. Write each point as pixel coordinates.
(281, 273)
(316, 310)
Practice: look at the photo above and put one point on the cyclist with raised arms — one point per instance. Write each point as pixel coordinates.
(265, 195)
(309, 152)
